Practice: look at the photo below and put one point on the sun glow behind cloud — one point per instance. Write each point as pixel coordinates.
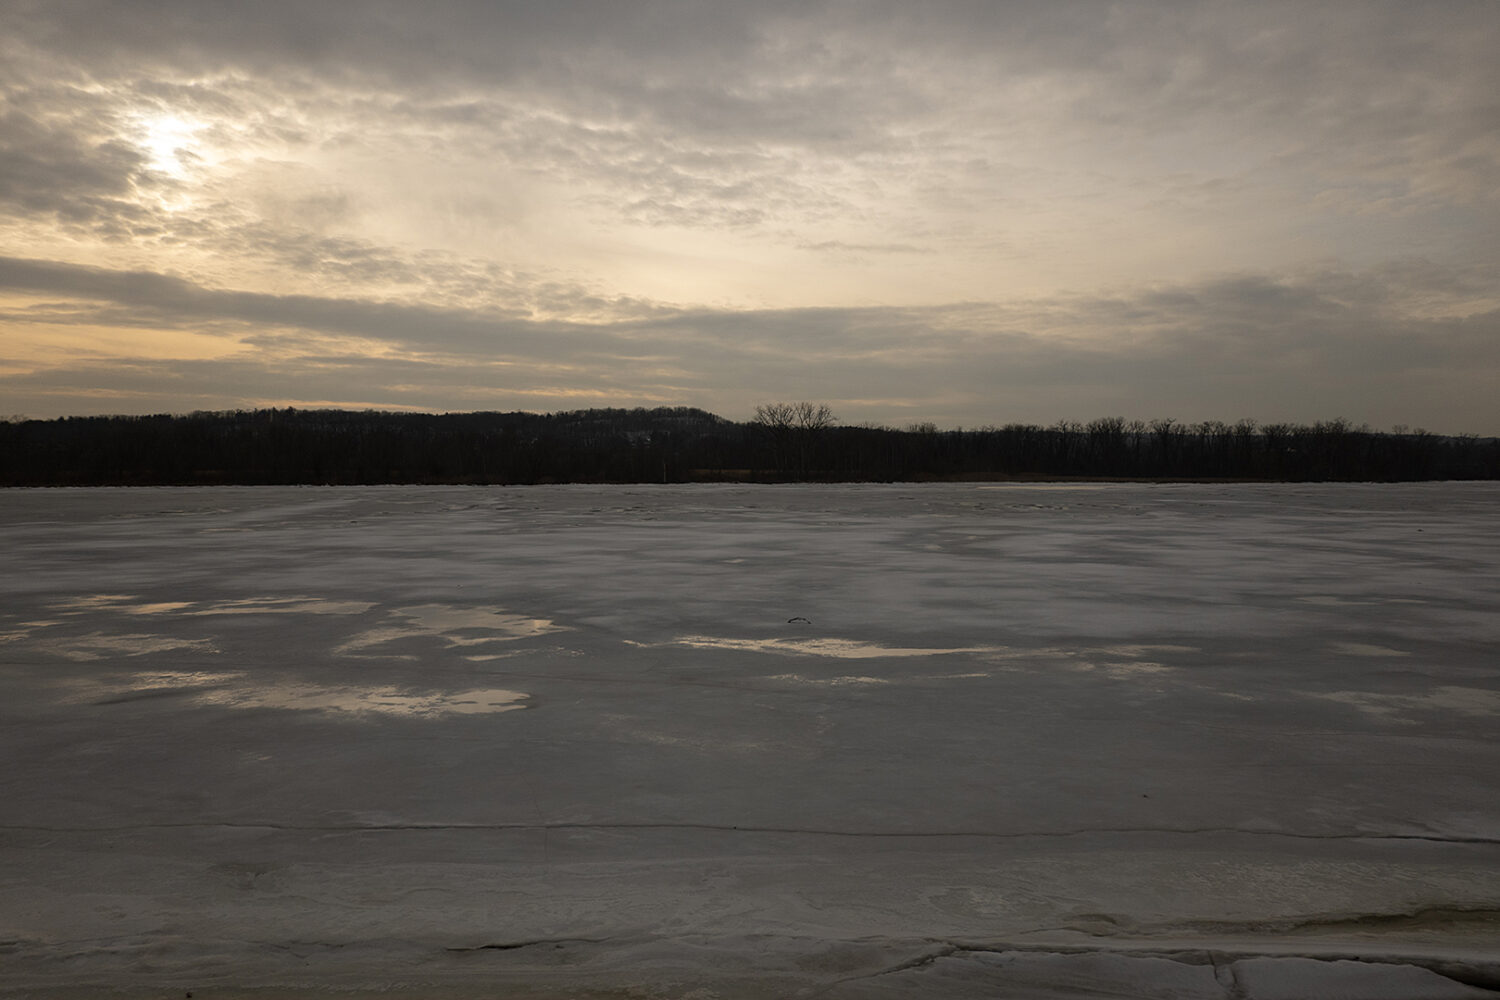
(169, 139)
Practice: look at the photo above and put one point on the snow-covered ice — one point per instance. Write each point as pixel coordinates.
(1231, 741)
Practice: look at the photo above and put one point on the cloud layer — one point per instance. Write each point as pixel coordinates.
(988, 212)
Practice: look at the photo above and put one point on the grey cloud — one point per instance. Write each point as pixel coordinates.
(146, 299)
(384, 39)
(1305, 348)
(54, 169)
(172, 301)
(182, 386)
(810, 72)
(700, 115)
(813, 70)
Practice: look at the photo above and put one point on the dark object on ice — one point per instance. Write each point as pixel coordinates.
(799, 618)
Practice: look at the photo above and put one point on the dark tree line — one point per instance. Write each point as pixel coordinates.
(786, 441)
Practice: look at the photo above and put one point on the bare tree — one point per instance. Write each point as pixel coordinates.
(801, 416)
(793, 429)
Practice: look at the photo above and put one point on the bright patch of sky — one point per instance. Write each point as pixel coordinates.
(958, 212)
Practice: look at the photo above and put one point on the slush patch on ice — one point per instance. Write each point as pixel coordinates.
(844, 649)
(455, 626)
(1463, 700)
(1365, 649)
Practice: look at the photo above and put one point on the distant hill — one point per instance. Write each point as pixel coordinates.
(685, 444)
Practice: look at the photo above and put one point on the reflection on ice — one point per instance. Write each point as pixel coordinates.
(156, 609)
(121, 603)
(147, 681)
(1123, 668)
(371, 700)
(833, 681)
(455, 626)
(1116, 661)
(447, 620)
(844, 649)
(285, 606)
(236, 689)
(92, 602)
(98, 645)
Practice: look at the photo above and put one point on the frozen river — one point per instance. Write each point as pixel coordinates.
(751, 742)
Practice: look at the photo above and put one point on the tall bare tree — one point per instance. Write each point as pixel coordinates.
(793, 429)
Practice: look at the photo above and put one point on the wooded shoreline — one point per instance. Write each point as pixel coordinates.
(683, 444)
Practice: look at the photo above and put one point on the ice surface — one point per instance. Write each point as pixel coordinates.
(1031, 740)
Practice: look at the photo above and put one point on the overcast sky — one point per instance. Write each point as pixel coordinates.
(969, 212)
